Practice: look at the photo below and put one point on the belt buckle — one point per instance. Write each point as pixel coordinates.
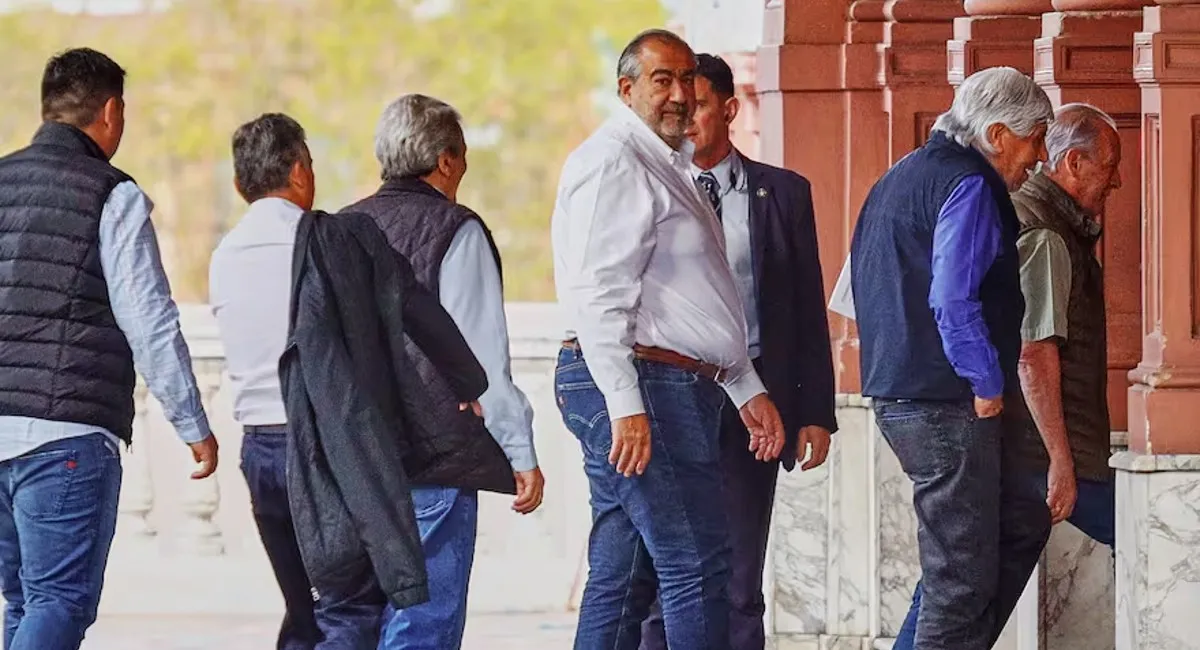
(721, 374)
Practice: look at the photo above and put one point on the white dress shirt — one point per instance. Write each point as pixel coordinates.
(140, 298)
(734, 193)
(639, 258)
(470, 291)
(249, 289)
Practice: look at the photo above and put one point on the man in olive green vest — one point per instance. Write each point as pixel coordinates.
(1063, 365)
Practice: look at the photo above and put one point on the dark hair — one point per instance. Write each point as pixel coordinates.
(718, 74)
(264, 151)
(76, 84)
(629, 65)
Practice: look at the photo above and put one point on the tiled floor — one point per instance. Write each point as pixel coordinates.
(484, 632)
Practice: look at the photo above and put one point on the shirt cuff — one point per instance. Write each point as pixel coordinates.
(744, 388)
(193, 430)
(990, 386)
(624, 403)
(522, 458)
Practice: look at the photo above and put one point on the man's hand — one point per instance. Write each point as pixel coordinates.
(205, 453)
(474, 406)
(630, 444)
(529, 490)
(818, 438)
(765, 427)
(988, 408)
(1061, 488)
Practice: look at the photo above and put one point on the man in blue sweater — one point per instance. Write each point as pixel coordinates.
(938, 299)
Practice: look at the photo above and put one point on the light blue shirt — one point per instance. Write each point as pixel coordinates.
(735, 221)
(141, 302)
(471, 292)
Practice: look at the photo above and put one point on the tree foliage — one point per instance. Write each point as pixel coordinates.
(524, 74)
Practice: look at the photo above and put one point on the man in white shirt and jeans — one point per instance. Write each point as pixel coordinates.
(657, 332)
(250, 278)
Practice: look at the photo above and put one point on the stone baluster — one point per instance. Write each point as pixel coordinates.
(1158, 479)
(137, 486)
(199, 534)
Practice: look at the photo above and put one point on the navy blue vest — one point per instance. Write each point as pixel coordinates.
(62, 356)
(901, 355)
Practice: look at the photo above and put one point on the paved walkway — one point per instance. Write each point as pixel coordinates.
(484, 632)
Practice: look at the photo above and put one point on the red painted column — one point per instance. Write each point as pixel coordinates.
(913, 69)
(995, 33)
(1164, 400)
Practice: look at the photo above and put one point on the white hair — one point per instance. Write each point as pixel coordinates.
(1075, 126)
(413, 131)
(994, 96)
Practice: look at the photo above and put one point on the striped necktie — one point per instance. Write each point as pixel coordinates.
(713, 189)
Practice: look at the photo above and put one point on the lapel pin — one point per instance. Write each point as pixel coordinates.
(762, 192)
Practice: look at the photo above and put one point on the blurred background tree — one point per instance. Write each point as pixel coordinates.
(531, 77)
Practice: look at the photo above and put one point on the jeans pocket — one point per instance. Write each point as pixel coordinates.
(585, 415)
(921, 434)
(430, 500)
(69, 477)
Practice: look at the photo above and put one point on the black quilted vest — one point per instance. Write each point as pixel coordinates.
(62, 356)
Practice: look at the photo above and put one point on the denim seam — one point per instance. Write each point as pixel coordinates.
(637, 549)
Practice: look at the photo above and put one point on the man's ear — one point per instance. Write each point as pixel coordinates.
(445, 164)
(625, 89)
(111, 112)
(298, 176)
(1073, 159)
(732, 108)
(997, 137)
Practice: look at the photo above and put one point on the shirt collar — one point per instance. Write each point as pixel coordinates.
(1039, 184)
(730, 173)
(276, 206)
(681, 158)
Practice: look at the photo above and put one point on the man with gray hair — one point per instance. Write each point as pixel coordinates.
(423, 154)
(938, 302)
(1064, 356)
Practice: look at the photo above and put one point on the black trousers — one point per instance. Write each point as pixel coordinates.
(749, 499)
(346, 621)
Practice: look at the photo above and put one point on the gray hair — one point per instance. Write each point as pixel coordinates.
(1075, 126)
(630, 64)
(413, 131)
(264, 152)
(994, 96)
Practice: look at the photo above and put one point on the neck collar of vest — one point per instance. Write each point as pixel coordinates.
(57, 134)
(410, 184)
(1062, 206)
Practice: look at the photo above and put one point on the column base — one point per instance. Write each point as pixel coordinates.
(1158, 551)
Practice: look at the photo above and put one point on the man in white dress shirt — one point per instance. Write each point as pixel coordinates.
(250, 277)
(423, 156)
(657, 338)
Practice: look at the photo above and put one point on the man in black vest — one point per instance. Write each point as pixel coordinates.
(422, 152)
(938, 300)
(83, 299)
(1064, 359)
(766, 216)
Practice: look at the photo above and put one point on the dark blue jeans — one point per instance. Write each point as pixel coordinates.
(58, 513)
(1094, 514)
(665, 529)
(749, 498)
(981, 526)
(338, 621)
(448, 519)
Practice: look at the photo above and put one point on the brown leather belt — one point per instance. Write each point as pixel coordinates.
(710, 371)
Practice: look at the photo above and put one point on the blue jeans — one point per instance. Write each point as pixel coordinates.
(346, 620)
(448, 519)
(981, 525)
(1094, 514)
(665, 529)
(58, 513)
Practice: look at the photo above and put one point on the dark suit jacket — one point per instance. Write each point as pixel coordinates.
(347, 388)
(797, 363)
